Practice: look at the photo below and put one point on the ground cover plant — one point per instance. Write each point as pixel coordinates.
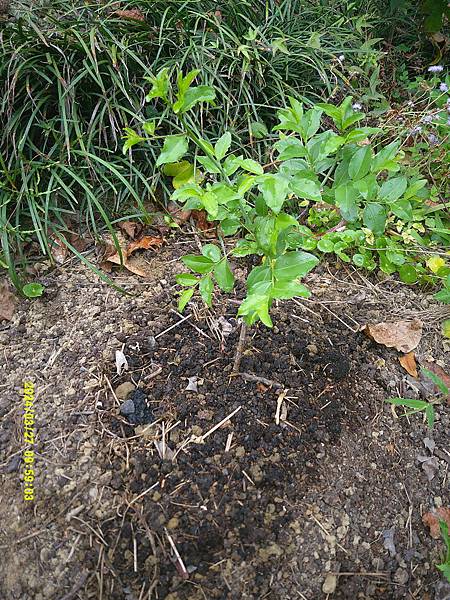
(329, 190)
(71, 78)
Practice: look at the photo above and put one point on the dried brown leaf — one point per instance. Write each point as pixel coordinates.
(58, 249)
(178, 214)
(401, 335)
(131, 228)
(144, 243)
(408, 362)
(207, 228)
(439, 371)
(431, 519)
(134, 14)
(7, 302)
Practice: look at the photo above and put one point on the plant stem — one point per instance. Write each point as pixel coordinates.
(240, 348)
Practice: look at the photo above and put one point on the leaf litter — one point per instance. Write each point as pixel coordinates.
(404, 336)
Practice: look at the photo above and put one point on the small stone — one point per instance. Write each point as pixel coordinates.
(127, 408)
(329, 585)
(312, 349)
(401, 576)
(173, 523)
(124, 390)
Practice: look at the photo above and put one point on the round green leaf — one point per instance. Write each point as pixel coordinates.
(325, 245)
(407, 273)
(33, 290)
(212, 252)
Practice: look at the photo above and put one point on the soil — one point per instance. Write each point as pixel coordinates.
(312, 487)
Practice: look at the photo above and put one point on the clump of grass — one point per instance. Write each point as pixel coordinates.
(71, 79)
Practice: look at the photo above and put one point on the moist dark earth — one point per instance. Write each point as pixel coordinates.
(311, 488)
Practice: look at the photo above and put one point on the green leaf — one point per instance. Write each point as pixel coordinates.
(245, 248)
(160, 85)
(251, 166)
(392, 189)
(33, 290)
(206, 288)
(305, 188)
(294, 264)
(346, 197)
(257, 305)
(360, 163)
(222, 145)
(259, 274)
(384, 160)
(402, 209)
(284, 290)
(408, 274)
(430, 415)
(436, 380)
(290, 148)
(210, 203)
(409, 403)
(192, 96)
(231, 164)
(174, 148)
(149, 127)
(311, 122)
(182, 173)
(443, 296)
(325, 245)
(210, 165)
(374, 217)
(224, 276)
(198, 264)
(333, 143)
(212, 252)
(291, 118)
(186, 279)
(131, 139)
(258, 130)
(446, 329)
(274, 189)
(184, 299)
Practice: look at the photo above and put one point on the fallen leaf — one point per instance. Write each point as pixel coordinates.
(262, 389)
(439, 371)
(192, 385)
(431, 519)
(144, 243)
(134, 14)
(178, 214)
(388, 541)
(165, 453)
(226, 326)
(430, 465)
(58, 249)
(131, 228)
(133, 264)
(121, 362)
(401, 335)
(429, 444)
(7, 302)
(206, 227)
(408, 362)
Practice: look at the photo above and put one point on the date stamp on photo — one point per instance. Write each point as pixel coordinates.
(29, 440)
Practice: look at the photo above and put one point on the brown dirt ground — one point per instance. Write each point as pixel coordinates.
(298, 506)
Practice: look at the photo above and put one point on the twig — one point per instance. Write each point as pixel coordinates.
(179, 561)
(76, 587)
(173, 326)
(240, 348)
(263, 380)
(201, 439)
